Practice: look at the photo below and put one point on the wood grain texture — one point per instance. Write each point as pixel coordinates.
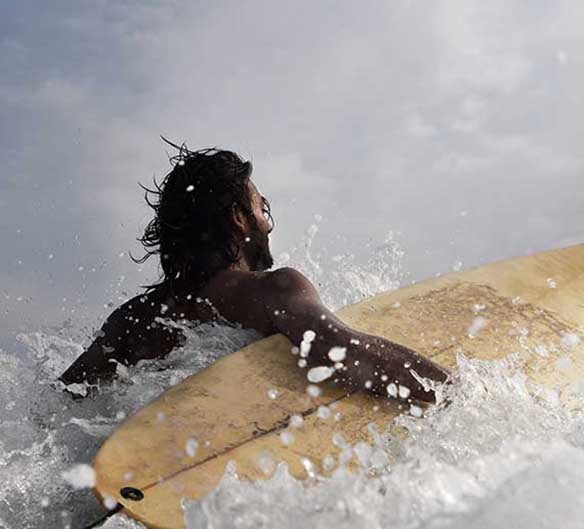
(227, 409)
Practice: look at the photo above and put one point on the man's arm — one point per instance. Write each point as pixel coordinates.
(371, 362)
(98, 361)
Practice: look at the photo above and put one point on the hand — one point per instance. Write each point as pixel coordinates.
(413, 375)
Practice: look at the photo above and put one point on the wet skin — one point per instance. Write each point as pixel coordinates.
(281, 301)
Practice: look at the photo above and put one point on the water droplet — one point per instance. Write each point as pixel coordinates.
(328, 463)
(305, 349)
(287, 438)
(191, 447)
(570, 340)
(478, 324)
(266, 463)
(320, 373)
(403, 392)
(392, 390)
(416, 411)
(296, 421)
(109, 503)
(564, 363)
(308, 336)
(313, 391)
(337, 354)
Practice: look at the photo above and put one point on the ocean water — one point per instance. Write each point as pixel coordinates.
(45, 433)
(503, 452)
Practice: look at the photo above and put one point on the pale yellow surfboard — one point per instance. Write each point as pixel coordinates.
(144, 465)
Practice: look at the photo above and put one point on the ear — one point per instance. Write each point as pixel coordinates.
(239, 219)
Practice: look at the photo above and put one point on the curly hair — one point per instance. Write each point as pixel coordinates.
(192, 229)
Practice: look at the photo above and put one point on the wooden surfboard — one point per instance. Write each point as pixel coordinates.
(532, 305)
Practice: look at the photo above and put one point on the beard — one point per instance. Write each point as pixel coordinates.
(257, 251)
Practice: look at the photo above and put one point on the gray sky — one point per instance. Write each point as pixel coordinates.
(457, 124)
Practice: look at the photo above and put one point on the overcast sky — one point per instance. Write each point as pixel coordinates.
(457, 124)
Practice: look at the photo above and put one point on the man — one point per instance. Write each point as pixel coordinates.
(211, 229)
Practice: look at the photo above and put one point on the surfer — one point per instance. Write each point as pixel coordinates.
(211, 230)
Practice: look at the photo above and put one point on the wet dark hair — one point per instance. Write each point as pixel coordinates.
(192, 229)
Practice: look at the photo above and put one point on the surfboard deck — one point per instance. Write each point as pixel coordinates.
(527, 302)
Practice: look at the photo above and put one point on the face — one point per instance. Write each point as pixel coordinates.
(261, 210)
(257, 249)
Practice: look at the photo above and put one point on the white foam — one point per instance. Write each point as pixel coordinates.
(80, 476)
(44, 432)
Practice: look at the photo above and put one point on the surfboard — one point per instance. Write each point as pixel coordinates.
(237, 409)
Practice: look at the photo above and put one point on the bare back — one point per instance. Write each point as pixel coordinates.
(136, 330)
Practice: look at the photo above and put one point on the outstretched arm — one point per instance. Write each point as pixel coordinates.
(370, 362)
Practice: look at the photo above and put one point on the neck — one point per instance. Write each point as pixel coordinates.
(216, 262)
(241, 265)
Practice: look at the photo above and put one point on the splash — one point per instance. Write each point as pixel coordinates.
(45, 435)
(342, 279)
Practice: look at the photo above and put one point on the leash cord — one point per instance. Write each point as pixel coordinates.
(115, 510)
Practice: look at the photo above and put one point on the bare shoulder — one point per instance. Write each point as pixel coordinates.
(113, 330)
(288, 281)
(124, 311)
(138, 309)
